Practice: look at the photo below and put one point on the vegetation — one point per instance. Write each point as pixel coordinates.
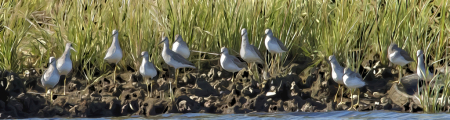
(32, 31)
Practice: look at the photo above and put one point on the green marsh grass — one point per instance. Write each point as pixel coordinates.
(351, 30)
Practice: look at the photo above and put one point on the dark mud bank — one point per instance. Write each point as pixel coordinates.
(210, 91)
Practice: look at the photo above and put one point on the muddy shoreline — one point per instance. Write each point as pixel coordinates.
(209, 91)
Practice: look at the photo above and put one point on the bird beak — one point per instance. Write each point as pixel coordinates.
(73, 49)
(113, 34)
(161, 42)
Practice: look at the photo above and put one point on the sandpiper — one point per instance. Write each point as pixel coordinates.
(422, 71)
(399, 57)
(147, 70)
(64, 63)
(50, 77)
(353, 81)
(273, 45)
(180, 47)
(249, 52)
(174, 59)
(114, 53)
(230, 63)
(337, 73)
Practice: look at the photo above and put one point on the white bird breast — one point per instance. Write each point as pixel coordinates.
(228, 66)
(272, 45)
(182, 50)
(115, 57)
(64, 68)
(147, 72)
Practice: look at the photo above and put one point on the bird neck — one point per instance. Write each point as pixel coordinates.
(421, 63)
(145, 59)
(245, 39)
(166, 46)
(116, 41)
(53, 64)
(66, 53)
(335, 65)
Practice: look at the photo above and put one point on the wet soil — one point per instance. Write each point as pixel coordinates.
(209, 90)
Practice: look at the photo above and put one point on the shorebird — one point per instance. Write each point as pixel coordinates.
(64, 63)
(114, 53)
(337, 73)
(422, 71)
(273, 44)
(399, 57)
(180, 47)
(353, 81)
(147, 70)
(249, 52)
(174, 59)
(230, 63)
(50, 77)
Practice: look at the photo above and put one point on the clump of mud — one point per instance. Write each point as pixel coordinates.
(210, 91)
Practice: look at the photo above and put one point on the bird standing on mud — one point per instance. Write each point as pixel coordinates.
(249, 52)
(353, 81)
(50, 77)
(230, 63)
(180, 47)
(64, 63)
(337, 73)
(273, 45)
(174, 59)
(148, 71)
(399, 57)
(114, 53)
(422, 71)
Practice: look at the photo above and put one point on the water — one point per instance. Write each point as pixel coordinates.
(336, 115)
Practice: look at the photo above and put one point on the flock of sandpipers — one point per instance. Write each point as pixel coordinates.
(177, 58)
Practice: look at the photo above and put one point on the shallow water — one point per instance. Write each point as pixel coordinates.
(295, 115)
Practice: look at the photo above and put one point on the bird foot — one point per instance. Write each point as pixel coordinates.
(354, 106)
(351, 108)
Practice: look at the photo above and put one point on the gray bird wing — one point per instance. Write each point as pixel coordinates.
(238, 62)
(110, 51)
(357, 75)
(405, 54)
(46, 75)
(281, 44)
(152, 66)
(177, 57)
(257, 52)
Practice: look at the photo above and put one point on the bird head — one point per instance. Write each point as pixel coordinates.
(223, 50)
(243, 31)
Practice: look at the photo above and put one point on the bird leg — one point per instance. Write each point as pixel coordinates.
(171, 93)
(46, 90)
(357, 103)
(351, 97)
(400, 75)
(114, 80)
(176, 78)
(65, 85)
(337, 92)
(51, 96)
(148, 93)
(342, 94)
(232, 77)
(151, 88)
(249, 68)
